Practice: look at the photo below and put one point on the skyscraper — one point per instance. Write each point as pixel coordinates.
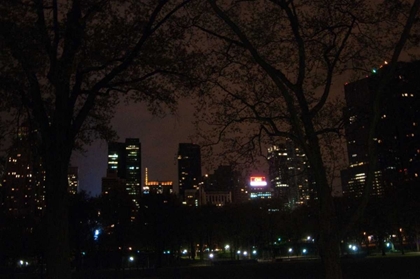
(116, 158)
(288, 173)
(124, 159)
(73, 178)
(133, 166)
(397, 132)
(189, 169)
(23, 187)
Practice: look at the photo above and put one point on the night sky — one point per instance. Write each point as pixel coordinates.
(159, 138)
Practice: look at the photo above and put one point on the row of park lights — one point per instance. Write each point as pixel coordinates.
(304, 250)
(245, 253)
(239, 252)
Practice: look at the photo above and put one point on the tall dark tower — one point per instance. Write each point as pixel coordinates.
(189, 167)
(22, 191)
(133, 166)
(396, 134)
(289, 173)
(124, 159)
(116, 159)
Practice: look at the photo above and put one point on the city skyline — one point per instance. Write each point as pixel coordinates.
(260, 70)
(159, 137)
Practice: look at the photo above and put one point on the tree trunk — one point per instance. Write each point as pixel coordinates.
(58, 252)
(330, 256)
(329, 241)
(328, 234)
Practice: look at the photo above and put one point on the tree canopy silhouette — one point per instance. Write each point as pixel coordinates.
(66, 64)
(271, 74)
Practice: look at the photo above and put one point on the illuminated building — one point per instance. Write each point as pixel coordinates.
(156, 186)
(23, 187)
(289, 174)
(73, 178)
(189, 172)
(124, 159)
(133, 167)
(259, 188)
(116, 158)
(398, 145)
(23, 183)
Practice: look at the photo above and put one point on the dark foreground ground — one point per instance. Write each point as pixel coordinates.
(390, 266)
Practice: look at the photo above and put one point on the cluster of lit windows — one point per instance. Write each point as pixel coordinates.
(132, 147)
(357, 164)
(156, 183)
(261, 195)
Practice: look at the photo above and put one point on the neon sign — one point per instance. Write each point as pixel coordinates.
(258, 181)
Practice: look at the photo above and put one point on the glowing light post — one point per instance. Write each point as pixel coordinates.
(130, 262)
(228, 250)
(211, 257)
(96, 234)
(290, 251)
(400, 236)
(254, 252)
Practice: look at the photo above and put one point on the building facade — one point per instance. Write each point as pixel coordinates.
(289, 174)
(22, 191)
(157, 187)
(124, 159)
(189, 171)
(222, 187)
(397, 134)
(73, 178)
(23, 184)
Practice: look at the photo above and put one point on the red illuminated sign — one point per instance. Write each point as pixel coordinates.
(258, 181)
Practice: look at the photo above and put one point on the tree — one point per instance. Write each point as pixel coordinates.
(65, 63)
(83, 220)
(271, 74)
